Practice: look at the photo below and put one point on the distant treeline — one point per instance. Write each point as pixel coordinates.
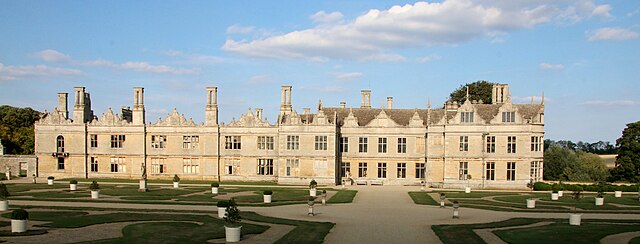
(600, 147)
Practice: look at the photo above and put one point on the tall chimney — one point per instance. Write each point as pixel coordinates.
(389, 102)
(259, 113)
(285, 105)
(211, 109)
(79, 105)
(343, 104)
(63, 107)
(138, 113)
(366, 98)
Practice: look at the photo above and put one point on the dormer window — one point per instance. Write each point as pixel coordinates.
(508, 117)
(466, 117)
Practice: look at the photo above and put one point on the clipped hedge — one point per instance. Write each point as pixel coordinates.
(541, 186)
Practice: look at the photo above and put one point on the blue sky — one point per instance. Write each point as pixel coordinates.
(584, 55)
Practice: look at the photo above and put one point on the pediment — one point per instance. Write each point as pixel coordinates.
(249, 120)
(54, 117)
(382, 120)
(416, 121)
(109, 118)
(320, 118)
(350, 120)
(175, 119)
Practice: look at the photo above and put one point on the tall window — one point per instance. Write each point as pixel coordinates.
(511, 144)
(292, 167)
(190, 142)
(382, 170)
(293, 142)
(118, 165)
(466, 117)
(158, 141)
(94, 164)
(117, 141)
(94, 141)
(344, 144)
(232, 166)
(464, 143)
(508, 117)
(344, 168)
(420, 170)
(265, 166)
(491, 171)
(536, 143)
(362, 144)
(233, 142)
(464, 170)
(511, 171)
(362, 169)
(60, 163)
(402, 170)
(382, 145)
(158, 166)
(265, 142)
(60, 144)
(190, 166)
(321, 143)
(402, 145)
(491, 144)
(536, 170)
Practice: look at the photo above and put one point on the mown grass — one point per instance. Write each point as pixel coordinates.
(463, 234)
(304, 231)
(422, 198)
(343, 196)
(561, 232)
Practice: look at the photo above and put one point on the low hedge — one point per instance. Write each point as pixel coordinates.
(606, 187)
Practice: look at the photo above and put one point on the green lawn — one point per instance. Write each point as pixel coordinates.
(423, 198)
(591, 231)
(343, 196)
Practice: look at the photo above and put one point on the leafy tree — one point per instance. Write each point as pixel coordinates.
(628, 159)
(16, 129)
(562, 163)
(479, 90)
(556, 160)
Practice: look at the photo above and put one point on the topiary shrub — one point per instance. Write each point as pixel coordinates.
(233, 217)
(176, 178)
(73, 182)
(4, 193)
(313, 184)
(94, 186)
(50, 178)
(20, 214)
(215, 184)
(222, 204)
(541, 186)
(268, 192)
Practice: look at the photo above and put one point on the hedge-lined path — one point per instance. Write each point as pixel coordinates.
(621, 238)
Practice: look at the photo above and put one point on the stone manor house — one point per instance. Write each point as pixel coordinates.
(490, 146)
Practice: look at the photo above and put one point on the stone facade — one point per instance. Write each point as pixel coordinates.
(17, 165)
(491, 146)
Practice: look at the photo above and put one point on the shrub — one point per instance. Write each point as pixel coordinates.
(233, 214)
(215, 184)
(20, 214)
(312, 199)
(94, 186)
(176, 178)
(222, 204)
(313, 184)
(50, 178)
(73, 182)
(555, 188)
(268, 192)
(4, 193)
(541, 186)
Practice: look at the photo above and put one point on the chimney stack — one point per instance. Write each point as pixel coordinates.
(138, 112)
(259, 113)
(343, 104)
(366, 98)
(389, 102)
(63, 107)
(211, 110)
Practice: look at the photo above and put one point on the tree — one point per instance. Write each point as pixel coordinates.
(479, 90)
(561, 163)
(556, 160)
(628, 159)
(16, 129)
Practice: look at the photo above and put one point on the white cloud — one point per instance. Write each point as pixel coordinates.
(602, 11)
(32, 71)
(239, 29)
(347, 75)
(376, 34)
(259, 79)
(614, 103)
(194, 57)
(323, 17)
(547, 66)
(51, 55)
(141, 67)
(428, 58)
(612, 34)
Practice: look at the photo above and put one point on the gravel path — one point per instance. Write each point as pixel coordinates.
(488, 236)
